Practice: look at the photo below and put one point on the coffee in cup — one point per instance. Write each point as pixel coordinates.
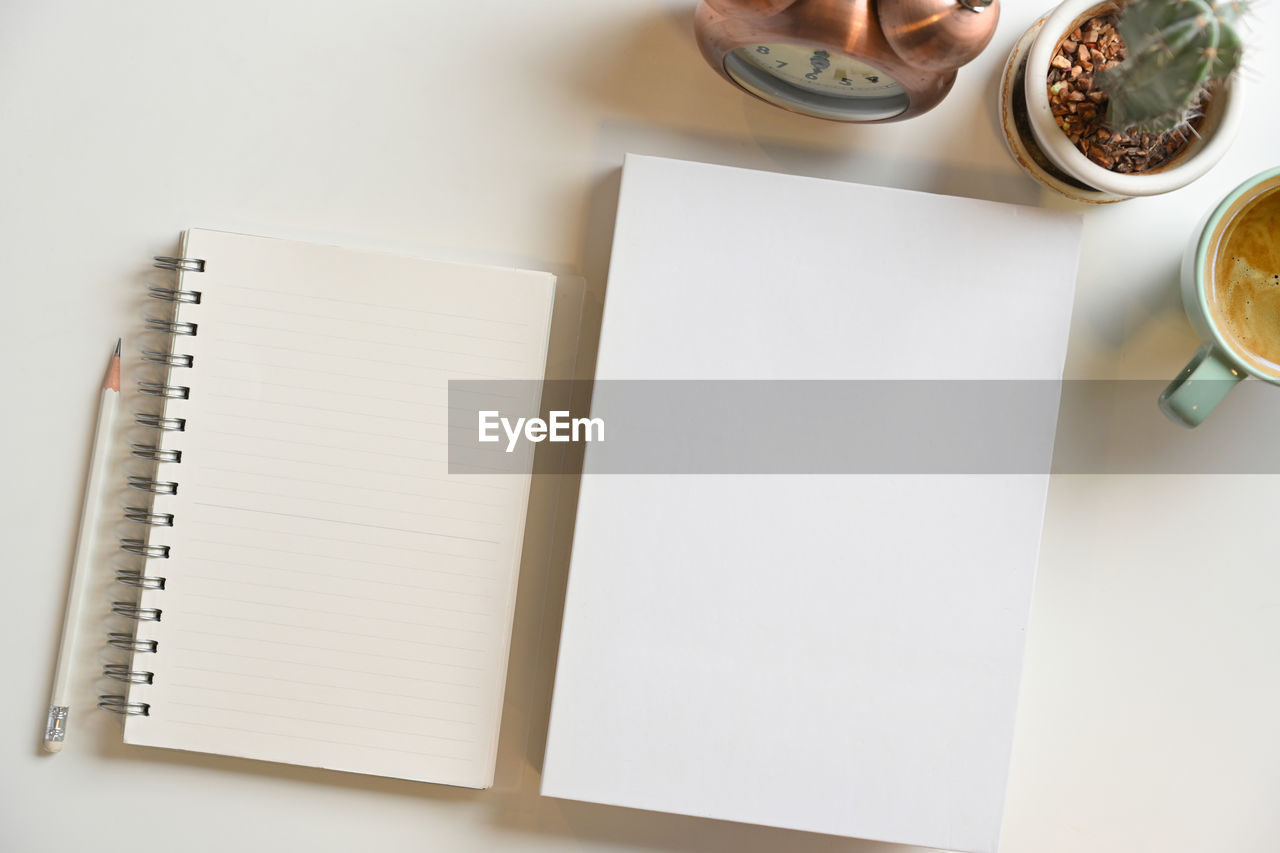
(1231, 293)
(1244, 294)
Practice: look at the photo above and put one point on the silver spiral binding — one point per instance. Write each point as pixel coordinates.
(154, 485)
(130, 610)
(161, 487)
(190, 297)
(184, 264)
(172, 359)
(169, 392)
(117, 704)
(155, 454)
(129, 643)
(135, 578)
(170, 327)
(121, 672)
(142, 549)
(160, 422)
(142, 515)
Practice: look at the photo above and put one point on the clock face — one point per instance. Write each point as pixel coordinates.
(817, 81)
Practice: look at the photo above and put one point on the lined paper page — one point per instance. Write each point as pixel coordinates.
(333, 596)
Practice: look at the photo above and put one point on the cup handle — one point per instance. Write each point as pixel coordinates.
(1199, 387)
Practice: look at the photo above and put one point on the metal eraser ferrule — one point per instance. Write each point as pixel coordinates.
(55, 730)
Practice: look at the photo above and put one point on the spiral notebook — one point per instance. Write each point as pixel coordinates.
(316, 588)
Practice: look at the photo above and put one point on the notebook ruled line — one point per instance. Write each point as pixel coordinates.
(381, 654)
(309, 333)
(363, 413)
(352, 542)
(396, 749)
(321, 446)
(438, 387)
(373, 305)
(348, 523)
(325, 685)
(322, 612)
(378, 489)
(346, 357)
(398, 308)
(361, 432)
(380, 637)
(453, 481)
(239, 583)
(341, 725)
(312, 573)
(399, 676)
(348, 449)
(364, 708)
(292, 312)
(204, 485)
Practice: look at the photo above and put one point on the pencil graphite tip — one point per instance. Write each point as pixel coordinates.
(112, 380)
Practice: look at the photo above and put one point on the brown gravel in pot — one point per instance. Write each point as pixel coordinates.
(1080, 109)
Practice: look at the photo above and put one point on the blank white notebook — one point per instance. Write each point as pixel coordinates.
(332, 596)
(839, 654)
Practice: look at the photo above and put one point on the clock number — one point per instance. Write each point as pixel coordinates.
(812, 75)
(871, 78)
(845, 81)
(761, 49)
(781, 64)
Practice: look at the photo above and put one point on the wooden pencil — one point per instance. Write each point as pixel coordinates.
(86, 541)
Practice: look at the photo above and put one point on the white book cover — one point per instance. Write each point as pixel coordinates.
(832, 653)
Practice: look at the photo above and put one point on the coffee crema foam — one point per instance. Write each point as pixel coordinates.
(1245, 293)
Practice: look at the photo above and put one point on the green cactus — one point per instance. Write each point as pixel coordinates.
(1177, 49)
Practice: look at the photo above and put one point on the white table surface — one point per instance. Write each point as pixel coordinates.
(1150, 710)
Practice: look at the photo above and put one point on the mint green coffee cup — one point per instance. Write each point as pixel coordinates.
(1232, 299)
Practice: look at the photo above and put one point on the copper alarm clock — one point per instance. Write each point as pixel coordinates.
(845, 60)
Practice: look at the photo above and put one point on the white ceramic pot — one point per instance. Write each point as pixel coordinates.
(1222, 119)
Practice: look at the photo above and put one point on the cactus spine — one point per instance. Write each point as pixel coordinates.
(1176, 50)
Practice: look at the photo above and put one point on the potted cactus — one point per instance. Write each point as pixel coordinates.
(1104, 101)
